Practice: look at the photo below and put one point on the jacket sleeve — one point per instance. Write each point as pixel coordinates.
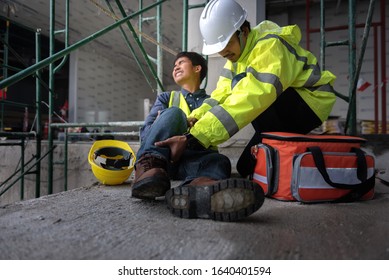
(223, 89)
(161, 103)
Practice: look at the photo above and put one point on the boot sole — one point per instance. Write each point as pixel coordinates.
(227, 200)
(150, 188)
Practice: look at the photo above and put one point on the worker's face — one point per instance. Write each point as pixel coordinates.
(232, 50)
(184, 70)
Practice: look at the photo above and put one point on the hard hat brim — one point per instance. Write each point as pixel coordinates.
(215, 48)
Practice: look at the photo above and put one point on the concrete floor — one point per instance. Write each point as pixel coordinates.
(101, 222)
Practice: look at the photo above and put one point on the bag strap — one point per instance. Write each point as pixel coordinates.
(357, 190)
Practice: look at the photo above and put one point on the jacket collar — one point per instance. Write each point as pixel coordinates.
(197, 93)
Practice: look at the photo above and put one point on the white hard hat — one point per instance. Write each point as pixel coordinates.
(219, 20)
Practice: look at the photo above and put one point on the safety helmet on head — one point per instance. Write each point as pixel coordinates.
(219, 20)
(112, 161)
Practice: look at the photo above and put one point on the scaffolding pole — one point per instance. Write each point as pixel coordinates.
(353, 67)
(58, 55)
(49, 62)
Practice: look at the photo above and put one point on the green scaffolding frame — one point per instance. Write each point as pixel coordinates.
(49, 62)
(355, 65)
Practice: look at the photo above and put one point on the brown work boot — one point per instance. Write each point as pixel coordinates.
(225, 200)
(151, 178)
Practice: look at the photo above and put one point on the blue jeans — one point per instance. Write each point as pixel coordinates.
(193, 163)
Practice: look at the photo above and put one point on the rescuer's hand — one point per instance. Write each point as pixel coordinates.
(191, 122)
(177, 145)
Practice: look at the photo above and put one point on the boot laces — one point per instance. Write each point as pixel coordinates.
(151, 162)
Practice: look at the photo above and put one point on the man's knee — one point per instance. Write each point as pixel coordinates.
(174, 112)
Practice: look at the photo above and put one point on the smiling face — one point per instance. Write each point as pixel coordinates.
(183, 70)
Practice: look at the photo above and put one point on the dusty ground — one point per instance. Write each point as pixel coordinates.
(100, 222)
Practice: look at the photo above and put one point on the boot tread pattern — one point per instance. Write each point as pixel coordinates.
(226, 200)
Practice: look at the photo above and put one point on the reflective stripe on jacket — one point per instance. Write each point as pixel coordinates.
(271, 62)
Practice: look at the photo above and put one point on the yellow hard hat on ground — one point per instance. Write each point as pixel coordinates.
(112, 161)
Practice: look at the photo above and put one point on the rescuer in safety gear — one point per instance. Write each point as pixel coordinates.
(112, 161)
(198, 167)
(269, 80)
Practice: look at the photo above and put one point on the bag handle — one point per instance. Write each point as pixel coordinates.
(358, 190)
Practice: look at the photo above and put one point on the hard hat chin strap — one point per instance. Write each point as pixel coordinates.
(241, 42)
(113, 163)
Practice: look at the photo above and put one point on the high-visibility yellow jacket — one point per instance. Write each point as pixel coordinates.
(272, 61)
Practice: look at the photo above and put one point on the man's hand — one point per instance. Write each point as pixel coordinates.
(177, 145)
(191, 122)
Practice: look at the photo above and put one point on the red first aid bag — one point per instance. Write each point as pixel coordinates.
(314, 168)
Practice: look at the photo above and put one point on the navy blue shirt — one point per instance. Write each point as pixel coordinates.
(194, 100)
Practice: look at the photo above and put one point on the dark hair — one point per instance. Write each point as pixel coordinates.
(196, 59)
(245, 24)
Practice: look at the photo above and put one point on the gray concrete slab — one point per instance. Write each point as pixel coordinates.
(102, 222)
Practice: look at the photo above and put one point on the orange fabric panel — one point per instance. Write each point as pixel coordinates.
(288, 146)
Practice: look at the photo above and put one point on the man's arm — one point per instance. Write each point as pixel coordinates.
(218, 96)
